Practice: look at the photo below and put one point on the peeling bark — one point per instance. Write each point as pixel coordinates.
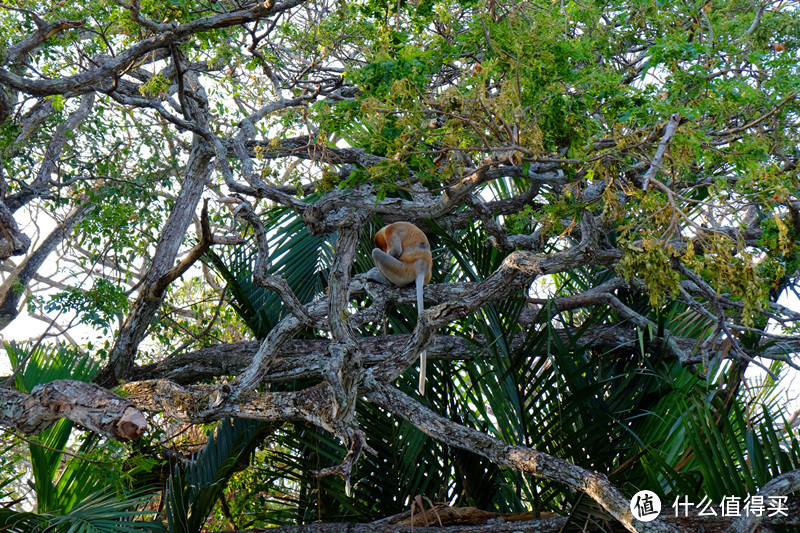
(195, 404)
(782, 485)
(12, 240)
(89, 406)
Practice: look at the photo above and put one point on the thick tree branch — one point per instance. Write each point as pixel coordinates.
(90, 406)
(146, 305)
(46, 30)
(207, 240)
(196, 404)
(779, 486)
(31, 121)
(308, 358)
(517, 272)
(12, 240)
(101, 78)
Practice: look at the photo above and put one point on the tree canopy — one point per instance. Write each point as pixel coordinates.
(610, 190)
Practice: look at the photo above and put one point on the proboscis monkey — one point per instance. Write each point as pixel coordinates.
(402, 256)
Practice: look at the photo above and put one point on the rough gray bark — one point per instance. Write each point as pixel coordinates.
(307, 358)
(315, 405)
(12, 240)
(152, 293)
(779, 486)
(92, 407)
(138, 320)
(319, 405)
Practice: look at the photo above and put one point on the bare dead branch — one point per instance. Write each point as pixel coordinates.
(655, 164)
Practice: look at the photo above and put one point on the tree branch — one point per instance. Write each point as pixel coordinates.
(100, 78)
(144, 308)
(45, 31)
(655, 164)
(90, 406)
(41, 184)
(206, 403)
(779, 486)
(13, 241)
(539, 464)
(207, 240)
(10, 292)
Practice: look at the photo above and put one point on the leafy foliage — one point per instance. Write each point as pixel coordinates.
(192, 491)
(98, 306)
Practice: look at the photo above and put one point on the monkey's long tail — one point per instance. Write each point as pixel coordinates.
(423, 355)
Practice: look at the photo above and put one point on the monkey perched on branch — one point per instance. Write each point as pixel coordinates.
(402, 255)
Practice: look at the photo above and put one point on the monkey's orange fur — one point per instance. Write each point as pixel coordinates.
(407, 243)
(402, 255)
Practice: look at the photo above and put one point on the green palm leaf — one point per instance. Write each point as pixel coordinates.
(295, 254)
(100, 512)
(193, 491)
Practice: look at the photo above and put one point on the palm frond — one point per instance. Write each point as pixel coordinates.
(301, 258)
(193, 491)
(35, 364)
(99, 512)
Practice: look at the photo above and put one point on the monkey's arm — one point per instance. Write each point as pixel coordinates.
(396, 271)
(395, 245)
